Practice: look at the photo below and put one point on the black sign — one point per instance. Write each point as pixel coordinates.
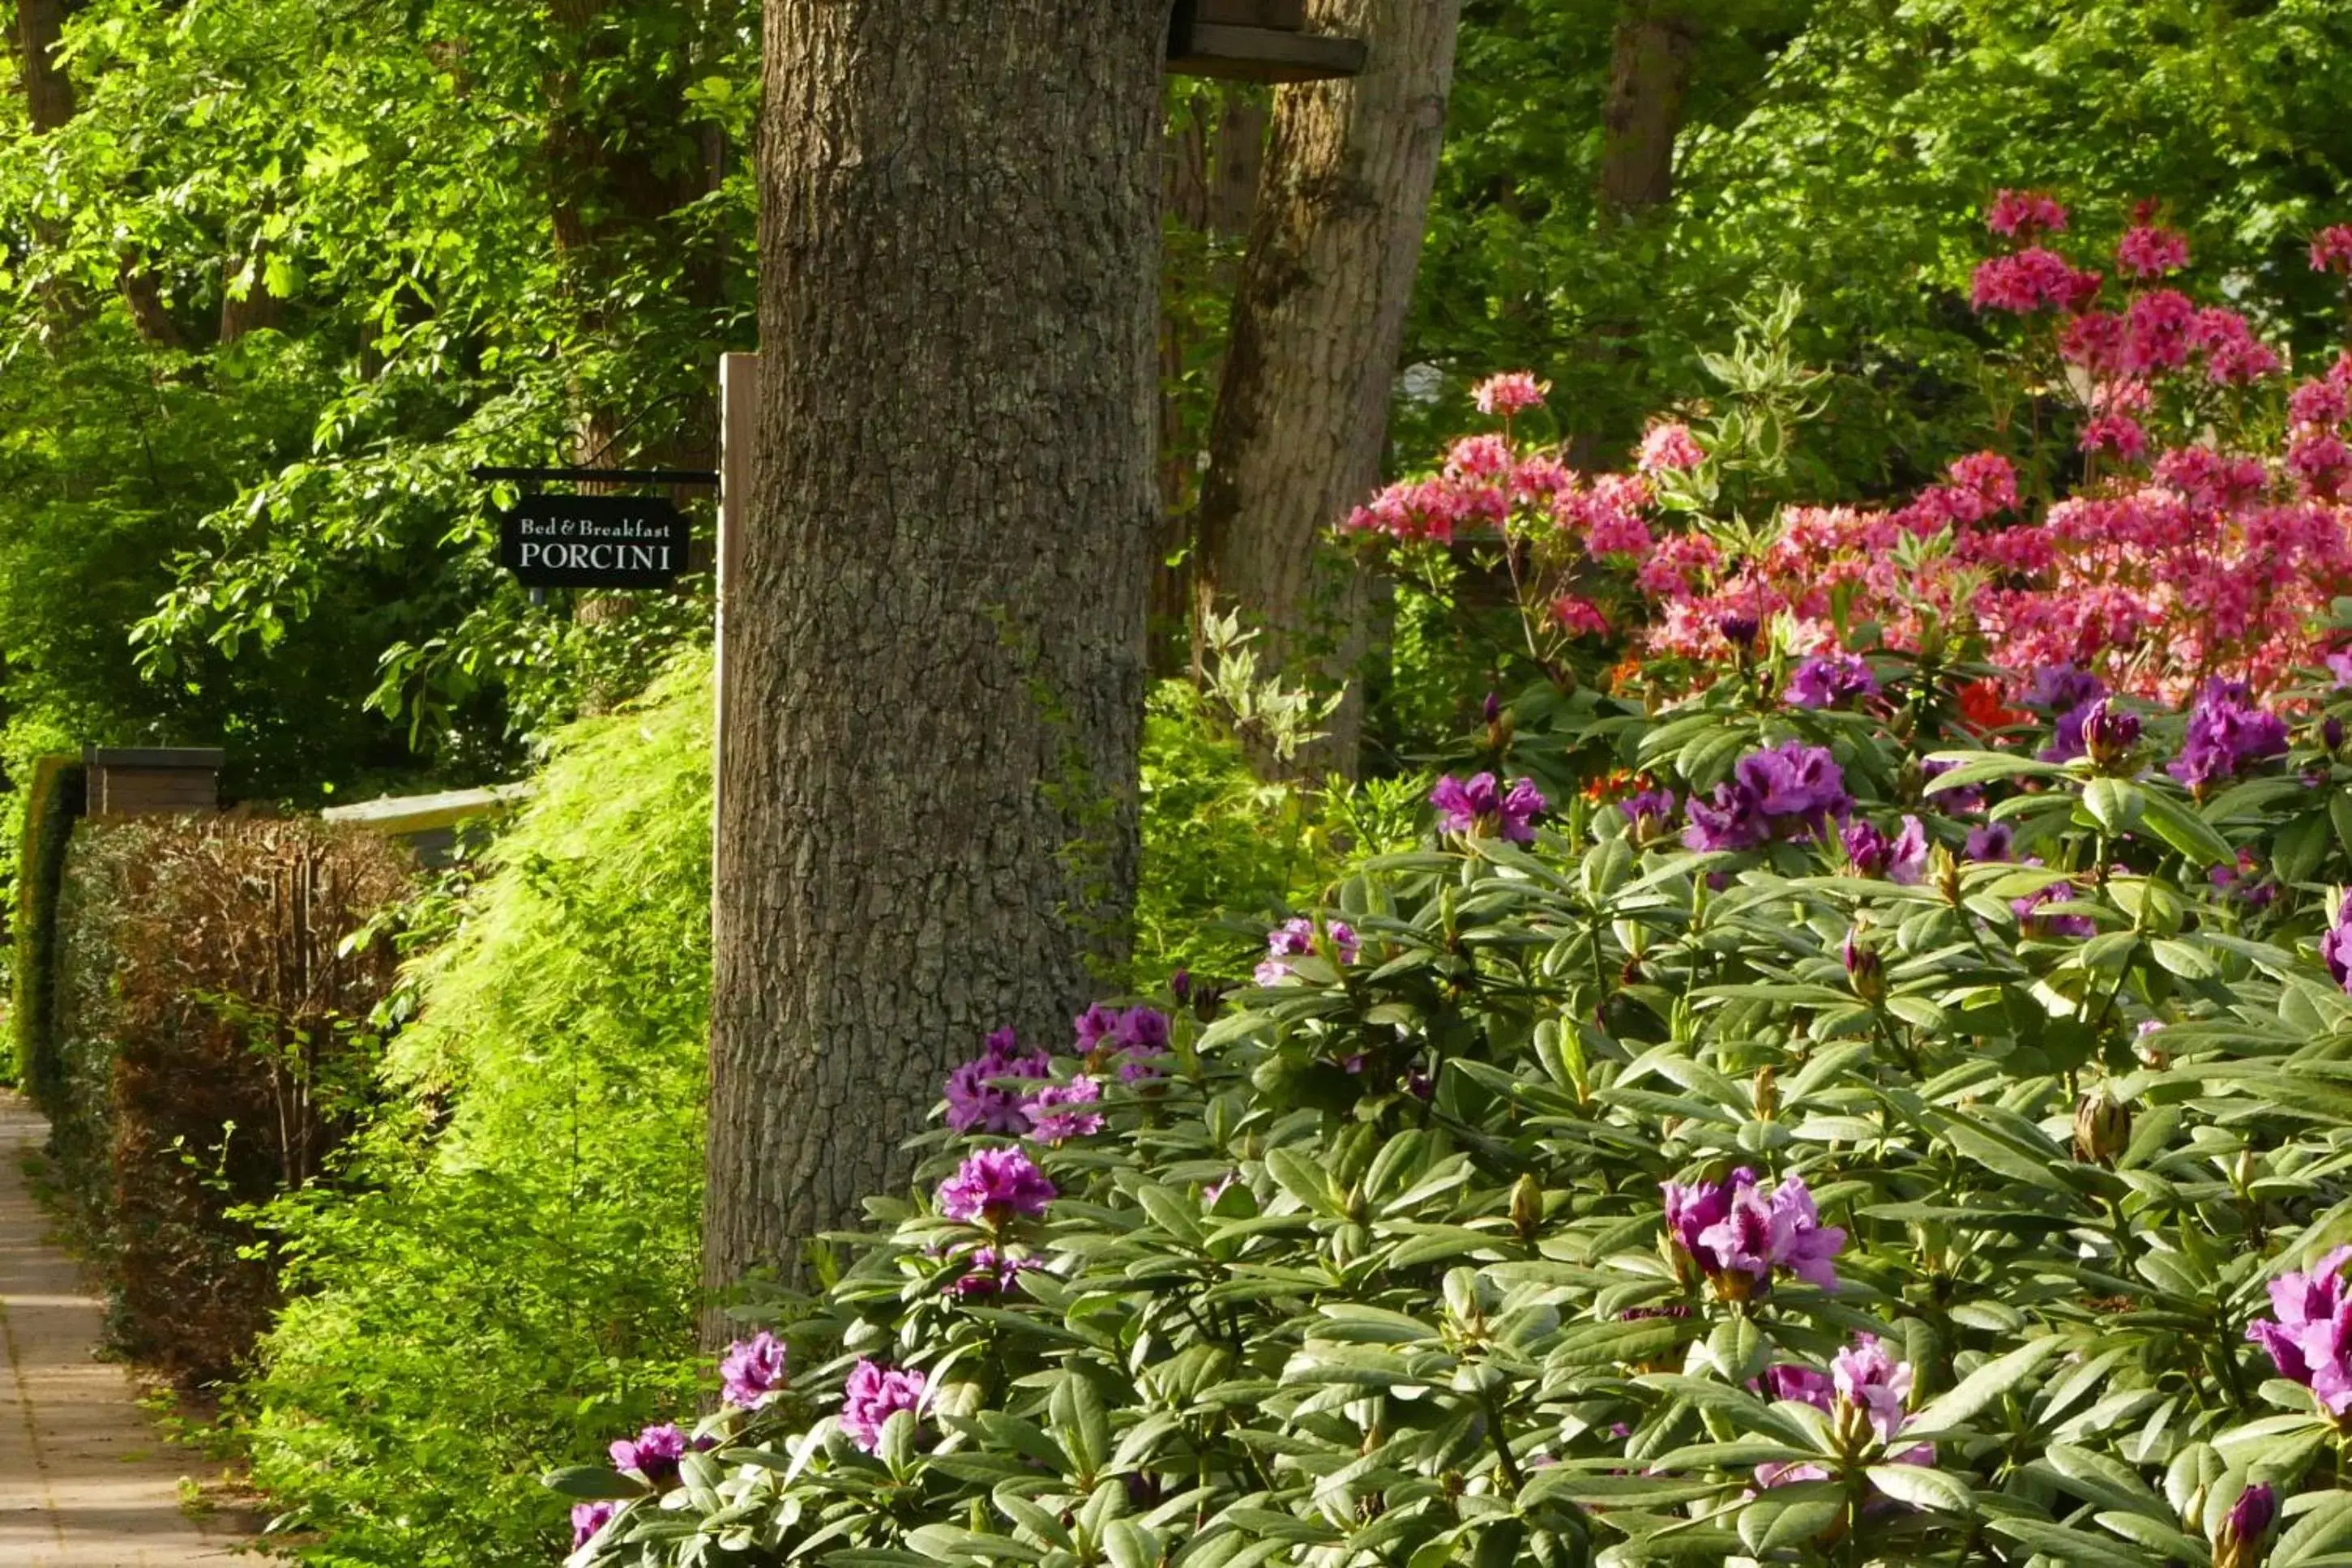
(593, 542)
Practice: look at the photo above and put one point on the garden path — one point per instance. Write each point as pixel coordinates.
(86, 1480)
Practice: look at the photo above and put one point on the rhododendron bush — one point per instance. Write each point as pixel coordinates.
(2203, 531)
(1820, 1135)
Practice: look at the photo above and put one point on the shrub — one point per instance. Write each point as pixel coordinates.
(209, 1056)
(507, 1264)
(1882, 1159)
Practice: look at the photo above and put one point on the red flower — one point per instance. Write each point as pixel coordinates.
(1980, 704)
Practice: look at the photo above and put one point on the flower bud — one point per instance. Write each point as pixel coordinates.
(1864, 970)
(1527, 1205)
(2331, 733)
(1944, 868)
(1180, 987)
(1740, 632)
(1494, 709)
(1767, 1091)
(2110, 734)
(2239, 1543)
(2242, 1172)
(2103, 1126)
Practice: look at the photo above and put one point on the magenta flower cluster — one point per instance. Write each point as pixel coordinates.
(1057, 1114)
(588, 1518)
(994, 1186)
(2310, 1336)
(2336, 945)
(1136, 1035)
(1792, 789)
(988, 1272)
(654, 1455)
(873, 1395)
(979, 1100)
(1863, 1376)
(1739, 1234)
(1902, 859)
(1296, 939)
(1481, 805)
(753, 1369)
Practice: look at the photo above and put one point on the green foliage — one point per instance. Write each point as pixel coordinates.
(1849, 148)
(506, 1269)
(52, 800)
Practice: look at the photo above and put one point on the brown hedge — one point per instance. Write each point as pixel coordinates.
(214, 981)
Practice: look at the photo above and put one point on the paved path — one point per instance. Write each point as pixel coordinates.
(86, 1480)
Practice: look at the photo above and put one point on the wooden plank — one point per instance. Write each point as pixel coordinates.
(1267, 55)
(1283, 15)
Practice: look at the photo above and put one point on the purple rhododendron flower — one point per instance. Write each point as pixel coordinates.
(2336, 945)
(1792, 787)
(753, 1369)
(1052, 1122)
(1481, 805)
(1901, 859)
(588, 1518)
(2339, 664)
(988, 1272)
(1960, 803)
(2227, 734)
(1992, 842)
(2302, 1337)
(993, 1185)
(975, 1101)
(2244, 883)
(655, 1455)
(1296, 939)
(2038, 925)
(1648, 813)
(874, 1394)
(1735, 1228)
(1829, 680)
(1863, 1376)
(2062, 688)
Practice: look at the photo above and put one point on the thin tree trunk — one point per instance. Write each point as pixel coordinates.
(927, 820)
(1302, 416)
(1650, 63)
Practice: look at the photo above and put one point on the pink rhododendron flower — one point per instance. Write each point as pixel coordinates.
(1481, 805)
(1579, 616)
(1669, 446)
(2025, 212)
(2029, 280)
(2331, 249)
(2147, 251)
(2319, 403)
(1738, 1236)
(1057, 1114)
(1513, 392)
(752, 1370)
(2117, 433)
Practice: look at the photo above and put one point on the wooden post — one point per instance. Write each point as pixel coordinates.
(739, 423)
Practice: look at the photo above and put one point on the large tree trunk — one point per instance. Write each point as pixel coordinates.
(1302, 416)
(935, 646)
(1650, 63)
(48, 92)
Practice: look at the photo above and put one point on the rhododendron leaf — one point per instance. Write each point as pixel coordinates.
(1977, 767)
(2187, 832)
(2326, 1528)
(2001, 1376)
(2074, 1547)
(2156, 1534)
(2113, 804)
(1791, 1515)
(1924, 1487)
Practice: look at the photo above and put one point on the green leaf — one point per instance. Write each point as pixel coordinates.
(1924, 1487)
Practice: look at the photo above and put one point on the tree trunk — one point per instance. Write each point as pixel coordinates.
(1649, 78)
(1302, 416)
(935, 646)
(48, 92)
(1209, 197)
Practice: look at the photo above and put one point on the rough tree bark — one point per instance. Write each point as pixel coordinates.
(1319, 322)
(1651, 56)
(927, 818)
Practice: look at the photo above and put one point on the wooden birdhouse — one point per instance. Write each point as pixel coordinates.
(1257, 40)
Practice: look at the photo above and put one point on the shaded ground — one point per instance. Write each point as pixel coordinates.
(86, 1480)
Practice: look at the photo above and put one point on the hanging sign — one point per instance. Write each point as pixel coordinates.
(593, 541)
